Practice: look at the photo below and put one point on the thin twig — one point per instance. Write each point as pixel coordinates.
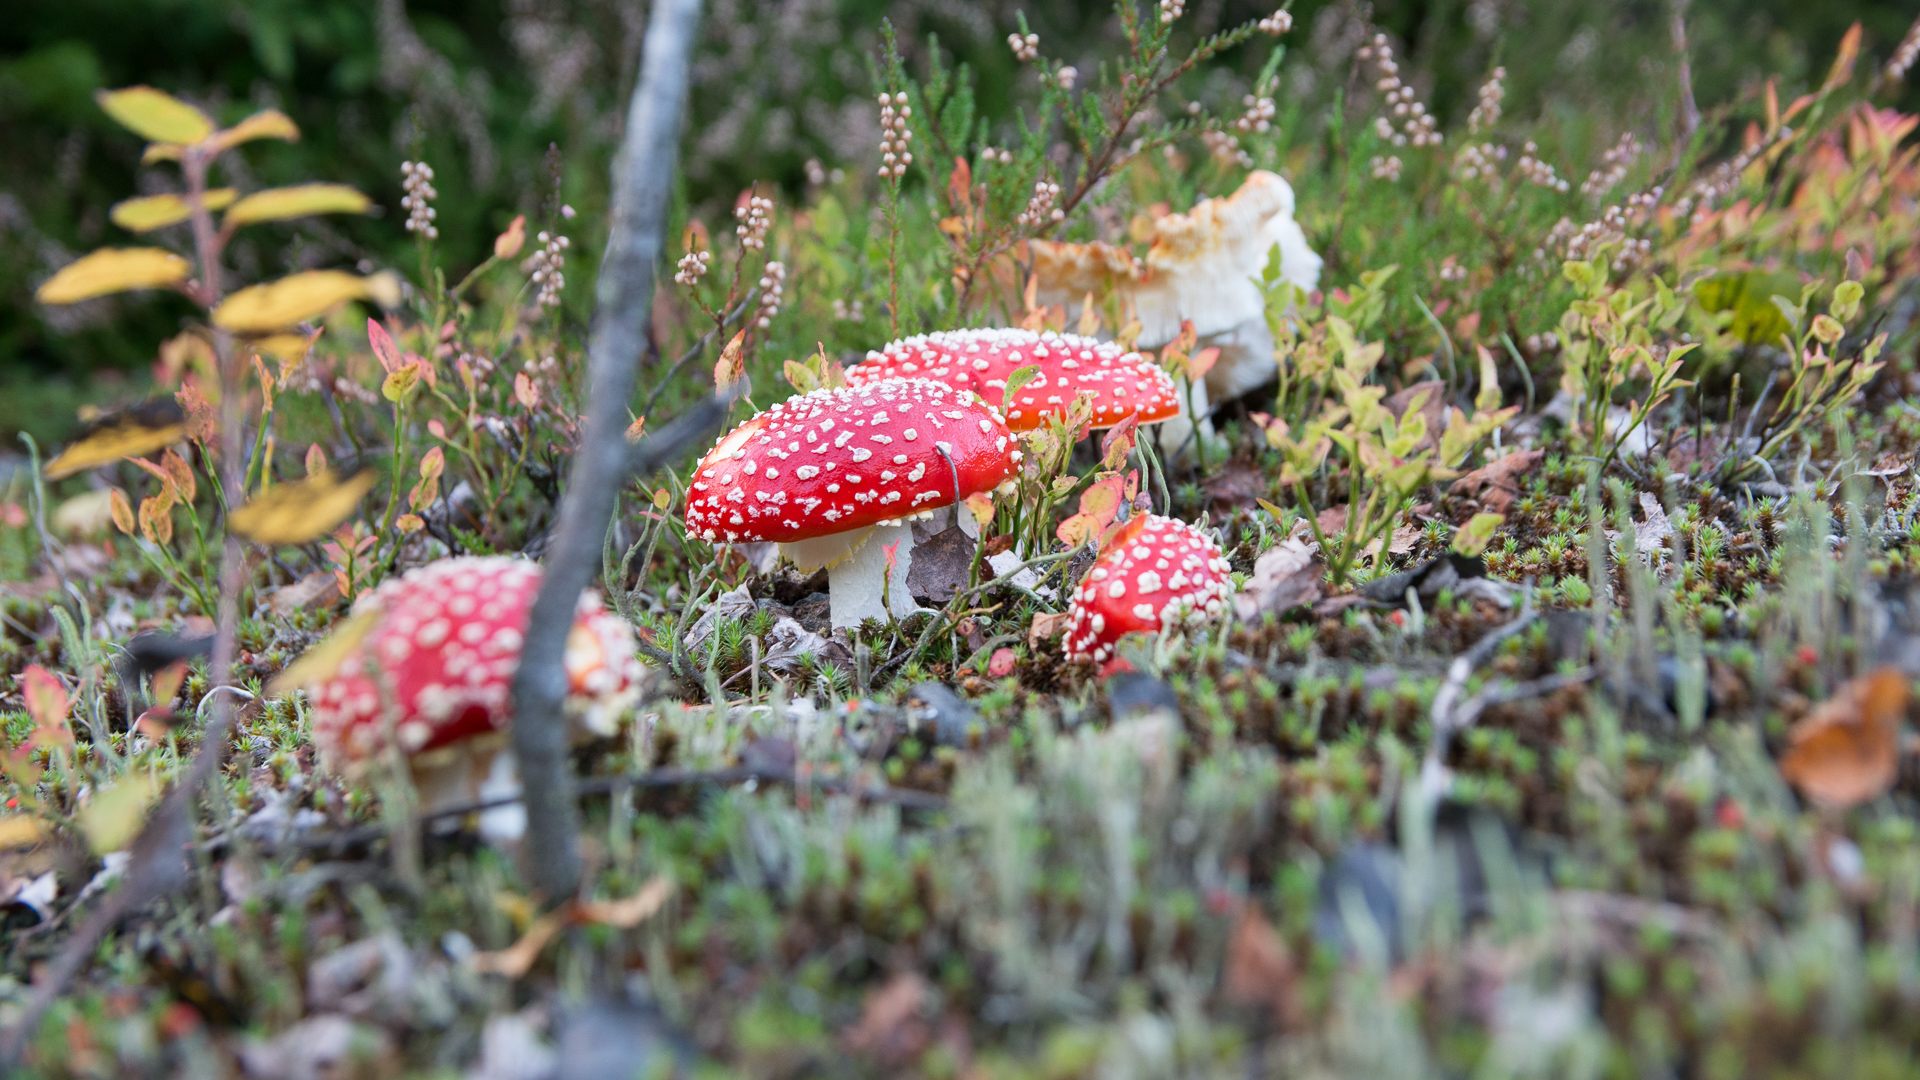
(697, 348)
(643, 182)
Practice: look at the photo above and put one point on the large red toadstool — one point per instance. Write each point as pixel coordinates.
(833, 477)
(1155, 573)
(428, 666)
(1122, 382)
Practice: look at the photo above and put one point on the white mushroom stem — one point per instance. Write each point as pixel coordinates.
(856, 584)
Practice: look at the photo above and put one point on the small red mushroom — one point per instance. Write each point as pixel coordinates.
(1155, 573)
(1122, 382)
(433, 672)
(833, 476)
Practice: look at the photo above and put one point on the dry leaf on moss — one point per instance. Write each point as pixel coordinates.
(1847, 750)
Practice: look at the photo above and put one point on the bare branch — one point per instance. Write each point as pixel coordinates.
(643, 176)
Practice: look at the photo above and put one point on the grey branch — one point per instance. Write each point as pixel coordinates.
(643, 175)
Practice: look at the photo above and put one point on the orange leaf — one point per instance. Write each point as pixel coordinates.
(47, 703)
(1847, 751)
(1842, 70)
(1117, 443)
(180, 473)
(1099, 505)
(509, 243)
(960, 185)
(1202, 362)
(525, 391)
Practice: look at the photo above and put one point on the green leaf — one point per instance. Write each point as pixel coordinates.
(1473, 537)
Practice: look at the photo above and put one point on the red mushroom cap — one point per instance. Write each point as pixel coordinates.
(1121, 382)
(1155, 573)
(439, 662)
(836, 460)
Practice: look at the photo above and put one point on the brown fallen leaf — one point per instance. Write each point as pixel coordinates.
(1497, 483)
(1260, 969)
(1332, 520)
(1047, 625)
(1847, 750)
(890, 1027)
(317, 590)
(517, 959)
(632, 911)
(1285, 576)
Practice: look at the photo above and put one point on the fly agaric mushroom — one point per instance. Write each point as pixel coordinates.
(834, 476)
(428, 662)
(1122, 382)
(1155, 573)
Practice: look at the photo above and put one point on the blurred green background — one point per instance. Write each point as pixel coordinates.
(502, 95)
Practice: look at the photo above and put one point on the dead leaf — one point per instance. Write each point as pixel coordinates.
(1046, 626)
(1260, 969)
(1332, 520)
(317, 590)
(890, 1027)
(1650, 536)
(1285, 576)
(1433, 407)
(517, 959)
(1847, 750)
(20, 830)
(1497, 483)
(301, 511)
(632, 911)
(941, 564)
(1404, 539)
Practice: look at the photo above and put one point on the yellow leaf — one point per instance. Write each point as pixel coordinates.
(410, 523)
(301, 200)
(265, 124)
(301, 511)
(131, 432)
(732, 365)
(276, 305)
(321, 661)
(383, 288)
(1473, 537)
(112, 818)
(155, 115)
(20, 830)
(151, 212)
(122, 511)
(289, 349)
(160, 151)
(112, 270)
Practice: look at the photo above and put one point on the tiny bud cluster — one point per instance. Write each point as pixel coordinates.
(990, 156)
(547, 264)
(1905, 55)
(1539, 344)
(848, 312)
(1024, 48)
(755, 217)
(1259, 114)
(692, 267)
(1535, 171)
(1718, 184)
(1172, 9)
(773, 288)
(418, 201)
(1613, 166)
(895, 135)
(1385, 168)
(1041, 209)
(1225, 148)
(1417, 125)
(1492, 94)
(816, 172)
(1477, 160)
(1451, 270)
(1276, 24)
(1067, 76)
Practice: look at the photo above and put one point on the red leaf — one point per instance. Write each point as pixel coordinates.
(383, 347)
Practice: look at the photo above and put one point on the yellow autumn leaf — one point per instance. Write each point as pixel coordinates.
(151, 212)
(112, 270)
(321, 661)
(265, 124)
(132, 432)
(301, 511)
(20, 830)
(300, 200)
(286, 348)
(112, 818)
(155, 115)
(276, 305)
